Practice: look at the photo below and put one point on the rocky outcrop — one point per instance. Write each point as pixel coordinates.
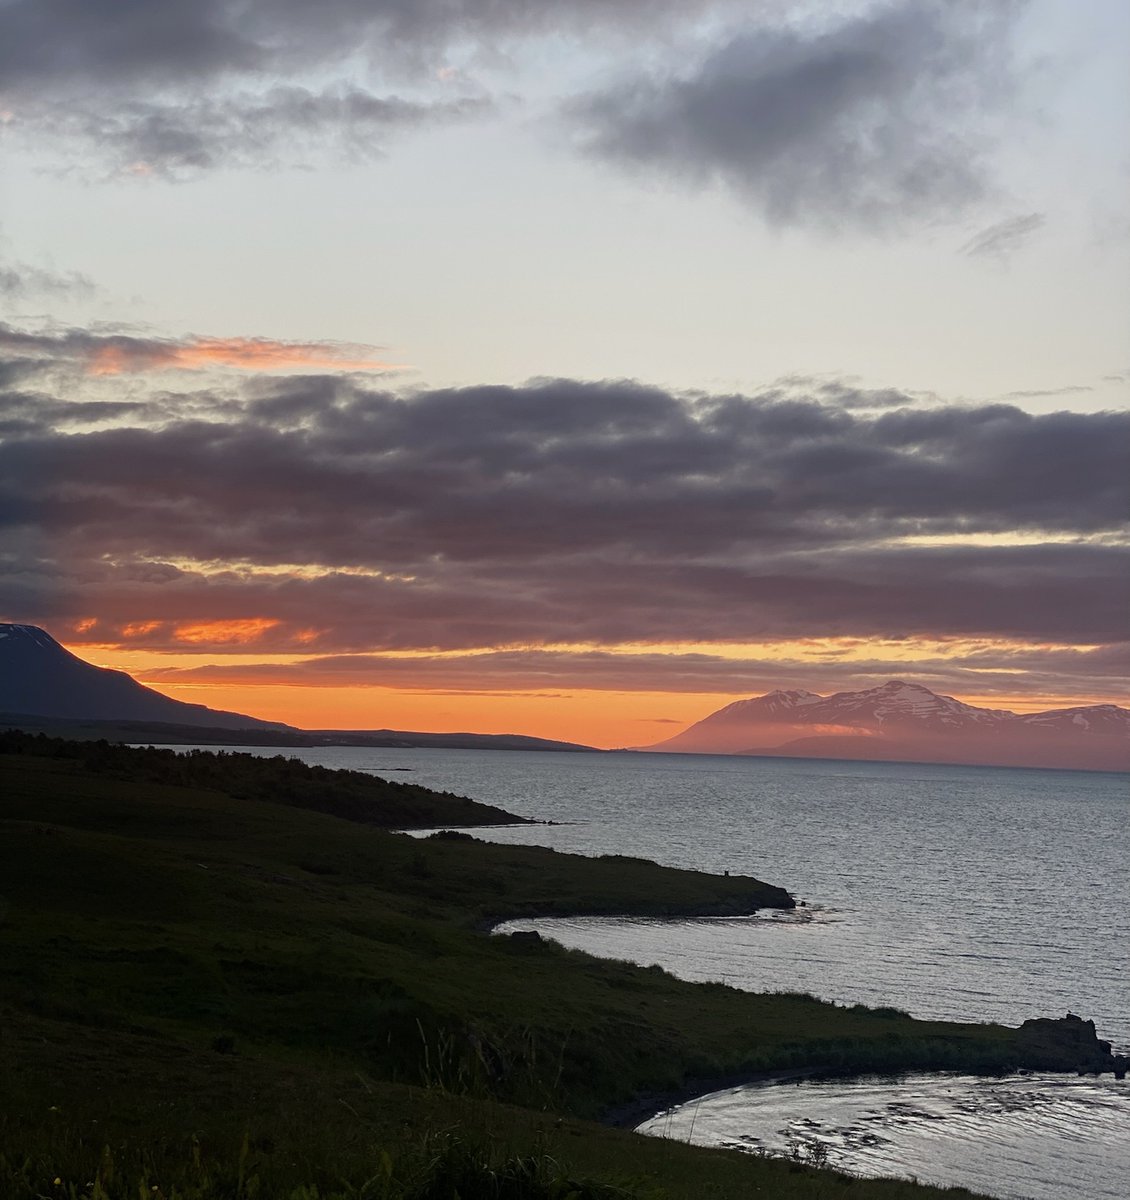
(1067, 1044)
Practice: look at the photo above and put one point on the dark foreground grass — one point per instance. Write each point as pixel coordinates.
(144, 1116)
(207, 994)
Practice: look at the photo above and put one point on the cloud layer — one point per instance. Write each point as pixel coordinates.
(989, 669)
(111, 43)
(875, 120)
(172, 88)
(344, 518)
(880, 120)
(22, 281)
(182, 136)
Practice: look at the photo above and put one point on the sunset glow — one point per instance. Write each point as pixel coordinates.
(556, 694)
(608, 720)
(572, 371)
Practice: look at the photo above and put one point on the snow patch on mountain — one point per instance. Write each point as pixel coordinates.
(39, 637)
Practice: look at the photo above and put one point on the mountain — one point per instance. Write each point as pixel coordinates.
(45, 688)
(40, 678)
(906, 722)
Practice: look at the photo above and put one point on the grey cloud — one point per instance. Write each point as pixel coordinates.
(1071, 389)
(19, 281)
(843, 393)
(175, 139)
(881, 120)
(166, 82)
(1004, 239)
(565, 511)
(111, 43)
(64, 41)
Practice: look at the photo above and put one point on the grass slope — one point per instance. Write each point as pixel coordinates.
(198, 989)
(353, 795)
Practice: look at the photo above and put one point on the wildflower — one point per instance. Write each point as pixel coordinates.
(57, 1181)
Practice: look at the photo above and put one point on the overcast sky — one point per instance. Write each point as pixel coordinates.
(489, 362)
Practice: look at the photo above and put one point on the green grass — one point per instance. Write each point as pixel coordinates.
(179, 963)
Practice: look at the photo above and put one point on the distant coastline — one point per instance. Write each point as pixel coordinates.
(171, 734)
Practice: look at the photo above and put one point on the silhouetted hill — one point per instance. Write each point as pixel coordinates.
(38, 677)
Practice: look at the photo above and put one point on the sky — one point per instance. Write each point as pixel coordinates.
(568, 369)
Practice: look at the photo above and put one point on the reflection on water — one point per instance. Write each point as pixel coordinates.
(1042, 1137)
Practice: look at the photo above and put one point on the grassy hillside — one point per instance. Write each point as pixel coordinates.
(196, 984)
(353, 795)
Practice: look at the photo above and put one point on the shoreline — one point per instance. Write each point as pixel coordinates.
(633, 1113)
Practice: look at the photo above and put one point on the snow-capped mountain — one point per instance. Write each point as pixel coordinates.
(1095, 718)
(899, 703)
(908, 722)
(38, 677)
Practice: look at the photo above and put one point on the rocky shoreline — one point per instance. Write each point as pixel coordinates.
(1068, 1043)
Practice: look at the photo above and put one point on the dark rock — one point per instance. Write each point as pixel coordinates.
(1067, 1044)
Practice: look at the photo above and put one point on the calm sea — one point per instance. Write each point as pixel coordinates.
(968, 893)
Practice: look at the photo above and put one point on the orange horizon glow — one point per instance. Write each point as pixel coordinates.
(602, 718)
(594, 718)
(606, 717)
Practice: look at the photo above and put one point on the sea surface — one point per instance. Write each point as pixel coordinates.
(965, 893)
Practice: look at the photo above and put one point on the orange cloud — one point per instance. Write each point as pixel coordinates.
(139, 628)
(128, 356)
(249, 629)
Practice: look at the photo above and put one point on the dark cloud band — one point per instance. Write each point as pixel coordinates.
(562, 512)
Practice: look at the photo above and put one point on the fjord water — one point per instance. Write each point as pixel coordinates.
(979, 894)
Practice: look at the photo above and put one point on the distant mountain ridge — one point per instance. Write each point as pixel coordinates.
(46, 688)
(902, 721)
